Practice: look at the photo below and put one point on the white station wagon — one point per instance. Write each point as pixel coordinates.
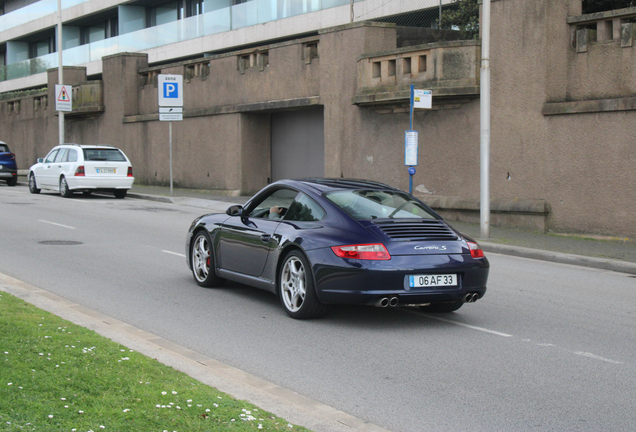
(72, 168)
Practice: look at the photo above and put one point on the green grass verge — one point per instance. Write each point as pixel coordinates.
(57, 376)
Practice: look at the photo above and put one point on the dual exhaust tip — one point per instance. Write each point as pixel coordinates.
(387, 301)
(394, 301)
(471, 297)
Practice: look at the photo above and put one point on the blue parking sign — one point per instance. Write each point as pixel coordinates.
(170, 90)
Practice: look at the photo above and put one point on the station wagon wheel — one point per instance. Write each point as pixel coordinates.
(33, 188)
(202, 261)
(120, 193)
(64, 190)
(12, 181)
(296, 288)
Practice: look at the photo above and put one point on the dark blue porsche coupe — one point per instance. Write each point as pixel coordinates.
(315, 242)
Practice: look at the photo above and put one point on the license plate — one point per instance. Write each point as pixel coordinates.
(106, 170)
(417, 281)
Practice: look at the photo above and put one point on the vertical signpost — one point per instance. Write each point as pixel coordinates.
(419, 99)
(170, 105)
(60, 77)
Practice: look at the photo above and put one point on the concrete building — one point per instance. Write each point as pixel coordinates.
(284, 88)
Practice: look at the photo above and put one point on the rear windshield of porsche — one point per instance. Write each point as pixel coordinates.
(374, 204)
(4, 148)
(104, 154)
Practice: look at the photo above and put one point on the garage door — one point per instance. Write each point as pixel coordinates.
(298, 144)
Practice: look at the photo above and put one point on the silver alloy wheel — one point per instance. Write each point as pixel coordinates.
(293, 284)
(32, 185)
(63, 187)
(201, 258)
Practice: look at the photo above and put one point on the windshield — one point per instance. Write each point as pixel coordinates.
(374, 204)
(4, 148)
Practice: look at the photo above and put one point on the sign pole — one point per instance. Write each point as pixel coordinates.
(60, 68)
(411, 168)
(484, 97)
(170, 138)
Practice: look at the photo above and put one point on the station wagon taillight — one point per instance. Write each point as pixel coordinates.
(375, 251)
(80, 171)
(130, 172)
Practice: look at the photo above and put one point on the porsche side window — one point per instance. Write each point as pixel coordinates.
(275, 205)
(51, 156)
(305, 209)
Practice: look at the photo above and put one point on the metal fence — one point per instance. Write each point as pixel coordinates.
(408, 13)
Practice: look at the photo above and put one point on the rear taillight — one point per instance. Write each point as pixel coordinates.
(475, 250)
(130, 172)
(364, 251)
(11, 156)
(80, 171)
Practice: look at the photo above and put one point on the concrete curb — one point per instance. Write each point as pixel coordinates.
(285, 403)
(562, 258)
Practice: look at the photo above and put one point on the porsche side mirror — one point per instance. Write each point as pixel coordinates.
(40, 160)
(234, 210)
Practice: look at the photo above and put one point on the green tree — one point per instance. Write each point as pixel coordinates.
(462, 15)
(592, 6)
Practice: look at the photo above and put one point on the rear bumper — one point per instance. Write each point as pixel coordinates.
(341, 281)
(7, 171)
(6, 174)
(97, 183)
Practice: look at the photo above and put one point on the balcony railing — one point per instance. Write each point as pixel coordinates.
(251, 13)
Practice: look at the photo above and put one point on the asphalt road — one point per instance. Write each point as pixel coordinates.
(550, 347)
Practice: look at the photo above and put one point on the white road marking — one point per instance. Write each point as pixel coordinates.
(57, 224)
(595, 357)
(173, 253)
(469, 326)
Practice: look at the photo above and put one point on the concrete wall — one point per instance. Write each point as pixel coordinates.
(582, 164)
(579, 165)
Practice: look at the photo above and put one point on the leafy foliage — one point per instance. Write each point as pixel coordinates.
(463, 15)
(593, 6)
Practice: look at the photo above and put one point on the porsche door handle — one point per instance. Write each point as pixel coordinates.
(265, 238)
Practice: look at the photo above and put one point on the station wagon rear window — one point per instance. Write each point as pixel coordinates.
(374, 204)
(4, 148)
(104, 154)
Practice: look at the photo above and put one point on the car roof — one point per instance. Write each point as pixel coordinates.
(88, 146)
(322, 185)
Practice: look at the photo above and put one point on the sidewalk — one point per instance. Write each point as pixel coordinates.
(586, 250)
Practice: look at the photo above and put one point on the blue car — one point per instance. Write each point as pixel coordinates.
(8, 166)
(316, 242)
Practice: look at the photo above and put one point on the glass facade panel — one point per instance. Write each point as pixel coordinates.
(245, 14)
(217, 21)
(220, 17)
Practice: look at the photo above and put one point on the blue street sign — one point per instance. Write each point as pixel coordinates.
(170, 90)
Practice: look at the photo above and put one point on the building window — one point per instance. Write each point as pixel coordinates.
(99, 31)
(193, 7)
(41, 47)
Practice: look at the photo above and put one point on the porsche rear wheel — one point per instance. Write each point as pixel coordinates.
(296, 288)
(202, 260)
